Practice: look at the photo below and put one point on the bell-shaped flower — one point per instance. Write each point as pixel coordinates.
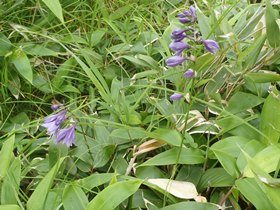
(176, 96)
(175, 60)
(66, 136)
(188, 16)
(179, 47)
(189, 73)
(178, 34)
(55, 107)
(211, 45)
(53, 122)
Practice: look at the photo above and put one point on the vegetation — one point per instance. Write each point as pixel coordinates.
(139, 104)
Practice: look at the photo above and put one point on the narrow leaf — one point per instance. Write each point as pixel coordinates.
(37, 199)
(272, 28)
(6, 155)
(113, 195)
(55, 7)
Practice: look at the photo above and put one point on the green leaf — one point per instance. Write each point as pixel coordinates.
(22, 64)
(172, 137)
(270, 123)
(55, 7)
(263, 76)
(169, 157)
(96, 36)
(253, 192)
(9, 207)
(241, 101)
(74, 198)
(203, 23)
(5, 45)
(227, 150)
(95, 180)
(37, 199)
(215, 177)
(191, 205)
(272, 28)
(113, 195)
(11, 182)
(6, 155)
(120, 12)
(63, 70)
(267, 160)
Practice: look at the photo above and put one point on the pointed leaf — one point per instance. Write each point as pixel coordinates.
(36, 200)
(55, 7)
(6, 155)
(113, 195)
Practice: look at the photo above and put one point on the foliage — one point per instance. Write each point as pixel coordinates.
(201, 133)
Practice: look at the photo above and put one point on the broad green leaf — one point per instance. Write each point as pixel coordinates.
(55, 7)
(253, 192)
(227, 150)
(96, 36)
(9, 207)
(176, 155)
(36, 200)
(124, 135)
(6, 155)
(120, 12)
(74, 198)
(95, 180)
(5, 45)
(113, 195)
(63, 70)
(172, 137)
(263, 76)
(22, 64)
(267, 159)
(241, 101)
(251, 23)
(272, 28)
(203, 23)
(38, 50)
(11, 182)
(149, 172)
(215, 177)
(270, 123)
(249, 56)
(191, 205)
(251, 148)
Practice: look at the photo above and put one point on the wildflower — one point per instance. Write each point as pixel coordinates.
(211, 45)
(189, 73)
(187, 16)
(55, 107)
(53, 122)
(66, 136)
(175, 60)
(176, 97)
(179, 46)
(178, 35)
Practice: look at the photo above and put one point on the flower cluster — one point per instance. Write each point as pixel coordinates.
(53, 124)
(178, 44)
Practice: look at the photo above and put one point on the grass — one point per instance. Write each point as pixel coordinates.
(105, 61)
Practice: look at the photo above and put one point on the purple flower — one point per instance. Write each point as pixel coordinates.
(176, 97)
(211, 45)
(178, 35)
(189, 73)
(179, 46)
(55, 107)
(53, 122)
(175, 60)
(188, 16)
(66, 136)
